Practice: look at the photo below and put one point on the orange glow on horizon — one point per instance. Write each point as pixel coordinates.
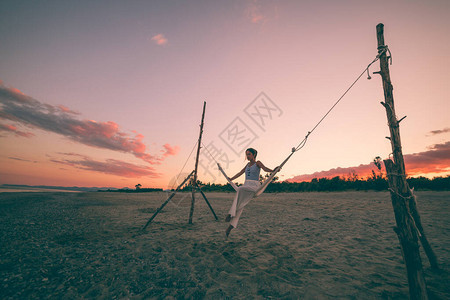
(125, 108)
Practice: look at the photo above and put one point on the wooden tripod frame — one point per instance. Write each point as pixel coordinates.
(193, 177)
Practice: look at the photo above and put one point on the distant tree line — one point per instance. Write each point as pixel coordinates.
(374, 183)
(139, 190)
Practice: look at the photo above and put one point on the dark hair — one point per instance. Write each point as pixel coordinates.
(252, 151)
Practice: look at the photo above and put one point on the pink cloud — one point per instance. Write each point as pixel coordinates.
(22, 109)
(64, 109)
(362, 171)
(169, 150)
(11, 128)
(260, 11)
(436, 160)
(440, 131)
(160, 39)
(254, 13)
(17, 91)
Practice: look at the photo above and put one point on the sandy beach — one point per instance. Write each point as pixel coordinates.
(300, 245)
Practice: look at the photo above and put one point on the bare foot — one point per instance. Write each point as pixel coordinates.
(228, 218)
(227, 232)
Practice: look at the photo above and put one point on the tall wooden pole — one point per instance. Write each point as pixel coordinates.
(194, 178)
(397, 152)
(406, 229)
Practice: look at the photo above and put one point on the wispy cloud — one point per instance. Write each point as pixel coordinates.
(435, 160)
(260, 11)
(11, 128)
(19, 108)
(67, 110)
(169, 150)
(160, 39)
(110, 166)
(21, 159)
(434, 132)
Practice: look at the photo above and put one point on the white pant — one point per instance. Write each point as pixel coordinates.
(243, 196)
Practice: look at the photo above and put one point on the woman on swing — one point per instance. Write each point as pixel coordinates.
(245, 192)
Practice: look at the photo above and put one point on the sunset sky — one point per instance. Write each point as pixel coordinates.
(110, 93)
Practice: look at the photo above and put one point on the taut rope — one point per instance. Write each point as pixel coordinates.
(303, 142)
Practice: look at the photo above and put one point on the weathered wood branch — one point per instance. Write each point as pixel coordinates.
(406, 228)
(194, 178)
(167, 201)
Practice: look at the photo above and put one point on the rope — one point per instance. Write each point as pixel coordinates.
(381, 50)
(412, 196)
(176, 180)
(303, 142)
(401, 196)
(204, 146)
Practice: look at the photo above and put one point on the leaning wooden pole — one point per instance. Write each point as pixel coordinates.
(207, 202)
(422, 237)
(194, 178)
(167, 201)
(406, 229)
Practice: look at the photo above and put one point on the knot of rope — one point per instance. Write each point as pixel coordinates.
(383, 49)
